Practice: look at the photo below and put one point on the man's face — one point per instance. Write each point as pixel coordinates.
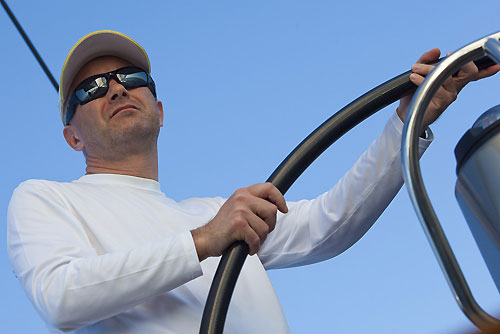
(123, 122)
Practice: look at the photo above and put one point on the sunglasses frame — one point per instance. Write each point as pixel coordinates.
(75, 100)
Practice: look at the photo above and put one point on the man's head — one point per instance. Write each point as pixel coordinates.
(107, 98)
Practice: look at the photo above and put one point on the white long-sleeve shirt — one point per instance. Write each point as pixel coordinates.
(112, 254)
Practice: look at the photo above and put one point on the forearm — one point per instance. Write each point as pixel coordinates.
(315, 230)
(72, 293)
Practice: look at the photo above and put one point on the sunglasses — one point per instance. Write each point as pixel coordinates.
(97, 86)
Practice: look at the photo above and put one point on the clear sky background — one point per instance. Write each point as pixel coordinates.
(243, 82)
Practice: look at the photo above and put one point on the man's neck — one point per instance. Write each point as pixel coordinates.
(143, 165)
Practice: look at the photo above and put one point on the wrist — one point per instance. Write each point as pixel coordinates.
(401, 113)
(200, 243)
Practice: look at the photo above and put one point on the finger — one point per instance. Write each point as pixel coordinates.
(269, 192)
(452, 84)
(429, 56)
(449, 85)
(468, 69)
(422, 69)
(469, 72)
(251, 238)
(266, 211)
(416, 79)
(466, 74)
(487, 72)
(260, 227)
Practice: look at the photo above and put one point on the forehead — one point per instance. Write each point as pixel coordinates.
(98, 65)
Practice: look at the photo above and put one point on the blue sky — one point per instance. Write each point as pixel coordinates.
(242, 84)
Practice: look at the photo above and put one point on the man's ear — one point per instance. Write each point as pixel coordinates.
(73, 138)
(159, 107)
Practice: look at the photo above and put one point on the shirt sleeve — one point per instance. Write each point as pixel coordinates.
(70, 285)
(318, 229)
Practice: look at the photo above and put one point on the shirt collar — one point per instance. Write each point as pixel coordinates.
(119, 179)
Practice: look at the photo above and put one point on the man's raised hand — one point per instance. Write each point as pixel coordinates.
(448, 92)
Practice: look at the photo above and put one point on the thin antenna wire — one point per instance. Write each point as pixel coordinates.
(30, 45)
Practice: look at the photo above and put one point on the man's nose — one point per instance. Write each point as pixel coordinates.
(115, 90)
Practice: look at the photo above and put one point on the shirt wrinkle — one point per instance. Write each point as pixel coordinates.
(113, 268)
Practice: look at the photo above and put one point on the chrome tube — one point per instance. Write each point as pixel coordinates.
(489, 46)
(492, 49)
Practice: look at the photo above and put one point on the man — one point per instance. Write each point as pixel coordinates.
(110, 253)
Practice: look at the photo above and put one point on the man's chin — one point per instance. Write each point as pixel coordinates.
(133, 131)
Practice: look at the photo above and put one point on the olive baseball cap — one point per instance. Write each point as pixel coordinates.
(93, 45)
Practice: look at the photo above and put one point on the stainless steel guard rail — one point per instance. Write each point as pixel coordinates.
(487, 46)
(289, 170)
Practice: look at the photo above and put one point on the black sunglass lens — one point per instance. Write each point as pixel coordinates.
(133, 80)
(92, 89)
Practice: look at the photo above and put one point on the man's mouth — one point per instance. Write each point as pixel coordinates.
(121, 108)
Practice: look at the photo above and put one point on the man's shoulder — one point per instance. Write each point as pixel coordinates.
(35, 193)
(39, 184)
(39, 188)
